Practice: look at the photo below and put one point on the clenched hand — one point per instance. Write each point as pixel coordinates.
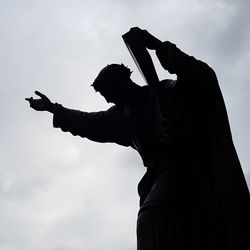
(150, 41)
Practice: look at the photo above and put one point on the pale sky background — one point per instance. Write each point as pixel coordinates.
(59, 192)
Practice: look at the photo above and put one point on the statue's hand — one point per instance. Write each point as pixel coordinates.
(42, 104)
(149, 40)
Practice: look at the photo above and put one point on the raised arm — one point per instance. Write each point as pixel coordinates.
(177, 62)
(172, 58)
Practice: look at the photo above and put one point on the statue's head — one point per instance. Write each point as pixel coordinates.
(112, 82)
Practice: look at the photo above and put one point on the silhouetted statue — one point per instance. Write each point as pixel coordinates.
(193, 195)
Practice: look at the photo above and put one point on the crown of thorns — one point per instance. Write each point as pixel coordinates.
(111, 74)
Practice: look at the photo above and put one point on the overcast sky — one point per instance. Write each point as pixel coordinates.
(59, 192)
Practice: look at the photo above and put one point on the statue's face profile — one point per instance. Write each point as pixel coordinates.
(112, 82)
(114, 94)
(107, 94)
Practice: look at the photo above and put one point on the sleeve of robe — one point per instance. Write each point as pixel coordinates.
(102, 126)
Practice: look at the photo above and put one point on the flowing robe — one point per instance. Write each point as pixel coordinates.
(181, 130)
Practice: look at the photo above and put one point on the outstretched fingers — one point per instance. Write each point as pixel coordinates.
(29, 99)
(41, 95)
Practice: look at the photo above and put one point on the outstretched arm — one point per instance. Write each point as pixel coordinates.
(103, 126)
